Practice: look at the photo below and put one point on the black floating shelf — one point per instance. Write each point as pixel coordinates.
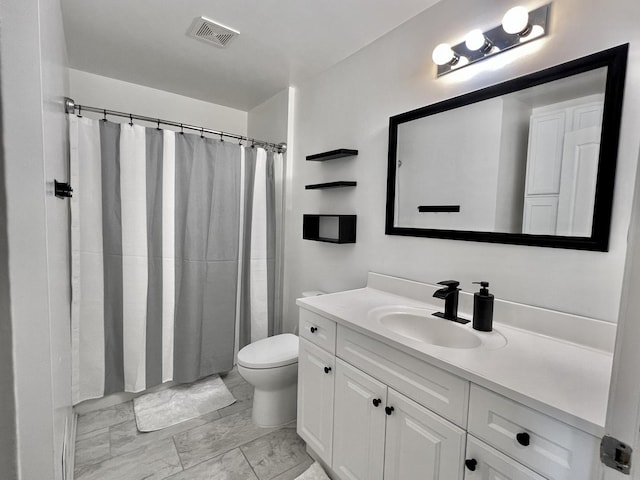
(329, 228)
(332, 155)
(438, 208)
(317, 186)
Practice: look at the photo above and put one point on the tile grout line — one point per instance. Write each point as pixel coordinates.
(248, 462)
(173, 440)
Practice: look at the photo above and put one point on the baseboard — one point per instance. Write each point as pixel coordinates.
(69, 447)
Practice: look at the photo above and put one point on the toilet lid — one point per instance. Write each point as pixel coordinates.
(276, 351)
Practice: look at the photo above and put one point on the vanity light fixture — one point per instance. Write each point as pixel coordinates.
(518, 26)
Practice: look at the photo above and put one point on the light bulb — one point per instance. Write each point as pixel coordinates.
(443, 54)
(516, 21)
(535, 32)
(475, 40)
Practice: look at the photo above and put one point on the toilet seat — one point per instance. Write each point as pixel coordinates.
(271, 352)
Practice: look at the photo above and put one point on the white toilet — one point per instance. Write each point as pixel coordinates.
(271, 366)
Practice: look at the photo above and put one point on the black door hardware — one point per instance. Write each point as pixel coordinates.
(523, 439)
(376, 402)
(471, 464)
(388, 410)
(327, 369)
(313, 329)
(62, 190)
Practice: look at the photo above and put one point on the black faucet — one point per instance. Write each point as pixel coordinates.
(450, 295)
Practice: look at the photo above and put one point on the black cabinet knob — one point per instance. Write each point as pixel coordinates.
(327, 369)
(388, 410)
(471, 464)
(376, 402)
(313, 329)
(523, 439)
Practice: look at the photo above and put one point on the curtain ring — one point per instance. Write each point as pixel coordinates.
(221, 139)
(202, 133)
(181, 129)
(104, 115)
(158, 128)
(79, 111)
(131, 119)
(253, 143)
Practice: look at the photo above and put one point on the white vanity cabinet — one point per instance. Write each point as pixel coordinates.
(373, 412)
(381, 434)
(316, 371)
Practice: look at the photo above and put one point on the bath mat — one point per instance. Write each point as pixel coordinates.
(314, 472)
(158, 410)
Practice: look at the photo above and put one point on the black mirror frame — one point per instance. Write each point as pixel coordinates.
(615, 59)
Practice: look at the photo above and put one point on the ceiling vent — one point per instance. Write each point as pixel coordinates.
(212, 32)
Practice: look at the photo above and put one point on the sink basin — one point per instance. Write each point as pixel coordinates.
(420, 325)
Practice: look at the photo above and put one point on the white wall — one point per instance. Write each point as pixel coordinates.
(270, 120)
(34, 138)
(466, 159)
(103, 92)
(349, 106)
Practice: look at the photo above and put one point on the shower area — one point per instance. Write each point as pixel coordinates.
(175, 239)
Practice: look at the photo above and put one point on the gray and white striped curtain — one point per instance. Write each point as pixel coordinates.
(172, 252)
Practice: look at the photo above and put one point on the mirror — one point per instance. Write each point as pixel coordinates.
(530, 161)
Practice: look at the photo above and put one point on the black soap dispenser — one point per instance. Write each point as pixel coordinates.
(483, 308)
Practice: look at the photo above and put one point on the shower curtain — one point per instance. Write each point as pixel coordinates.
(172, 250)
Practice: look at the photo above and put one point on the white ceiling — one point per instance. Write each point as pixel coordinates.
(281, 42)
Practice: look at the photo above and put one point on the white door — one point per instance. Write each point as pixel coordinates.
(540, 215)
(420, 444)
(544, 156)
(315, 398)
(578, 182)
(359, 419)
(623, 422)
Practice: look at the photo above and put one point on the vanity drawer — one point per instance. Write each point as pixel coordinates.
(491, 464)
(555, 449)
(439, 391)
(318, 330)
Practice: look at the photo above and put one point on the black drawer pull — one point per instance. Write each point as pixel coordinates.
(471, 464)
(523, 439)
(388, 410)
(313, 329)
(376, 402)
(327, 369)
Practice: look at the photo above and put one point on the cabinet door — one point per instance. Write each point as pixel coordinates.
(315, 398)
(544, 158)
(493, 465)
(420, 444)
(359, 420)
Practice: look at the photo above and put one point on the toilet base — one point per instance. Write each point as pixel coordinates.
(274, 408)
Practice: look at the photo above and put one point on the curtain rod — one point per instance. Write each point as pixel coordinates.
(71, 107)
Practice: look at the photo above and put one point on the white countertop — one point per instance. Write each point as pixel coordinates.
(565, 380)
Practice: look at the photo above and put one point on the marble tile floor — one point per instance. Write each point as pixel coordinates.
(222, 445)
